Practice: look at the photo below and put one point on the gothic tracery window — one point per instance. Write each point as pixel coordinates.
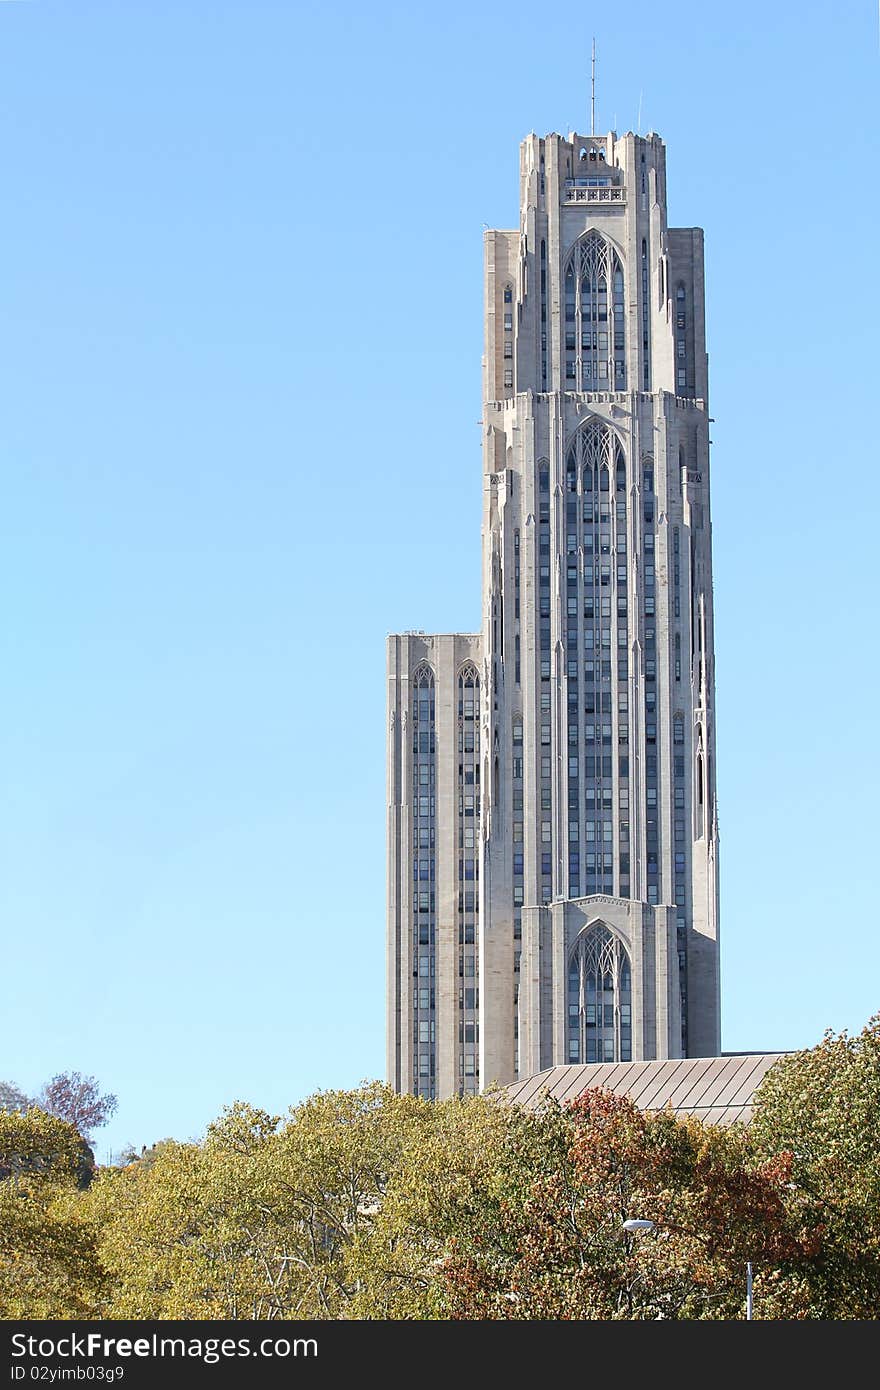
(599, 998)
(594, 317)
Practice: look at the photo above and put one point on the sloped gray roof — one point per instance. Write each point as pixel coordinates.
(718, 1089)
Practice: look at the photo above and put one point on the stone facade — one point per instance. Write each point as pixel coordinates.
(594, 934)
(433, 832)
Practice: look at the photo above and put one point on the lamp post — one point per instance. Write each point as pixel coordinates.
(635, 1224)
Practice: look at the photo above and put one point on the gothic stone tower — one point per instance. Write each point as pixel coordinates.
(594, 892)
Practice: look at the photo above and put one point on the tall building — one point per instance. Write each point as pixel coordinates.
(552, 833)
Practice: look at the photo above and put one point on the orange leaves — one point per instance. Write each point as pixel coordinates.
(565, 1253)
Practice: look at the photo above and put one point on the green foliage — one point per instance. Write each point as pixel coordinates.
(34, 1145)
(528, 1220)
(368, 1204)
(48, 1264)
(144, 1155)
(822, 1106)
(449, 1176)
(260, 1220)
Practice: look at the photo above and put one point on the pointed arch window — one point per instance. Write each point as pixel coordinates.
(594, 316)
(423, 696)
(468, 692)
(599, 998)
(543, 490)
(594, 453)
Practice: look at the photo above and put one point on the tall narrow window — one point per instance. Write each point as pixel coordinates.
(595, 459)
(468, 872)
(599, 998)
(424, 1071)
(594, 316)
(681, 368)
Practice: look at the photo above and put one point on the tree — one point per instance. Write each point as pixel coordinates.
(11, 1098)
(173, 1235)
(48, 1262)
(145, 1155)
(445, 1185)
(77, 1099)
(541, 1236)
(370, 1204)
(822, 1105)
(261, 1220)
(36, 1146)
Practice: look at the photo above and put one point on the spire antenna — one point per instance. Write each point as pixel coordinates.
(593, 91)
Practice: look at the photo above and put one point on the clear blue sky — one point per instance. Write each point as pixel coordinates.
(241, 316)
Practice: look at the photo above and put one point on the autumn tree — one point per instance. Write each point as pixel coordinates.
(541, 1236)
(370, 1204)
(367, 1204)
(77, 1099)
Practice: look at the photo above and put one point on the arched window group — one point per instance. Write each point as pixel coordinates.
(595, 456)
(594, 317)
(599, 998)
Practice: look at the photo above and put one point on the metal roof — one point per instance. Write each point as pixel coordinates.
(717, 1089)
